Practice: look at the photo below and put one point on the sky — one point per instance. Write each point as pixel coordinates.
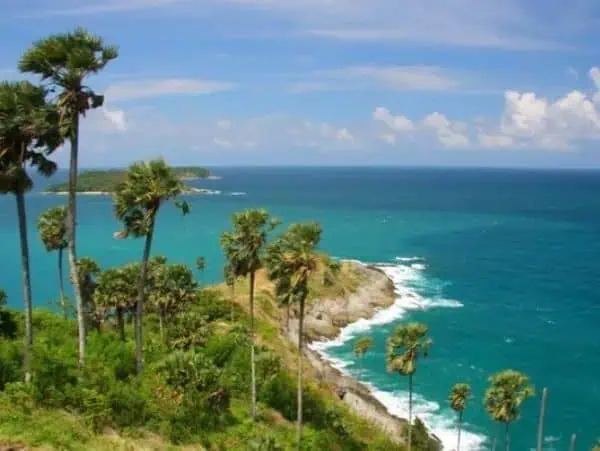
(333, 82)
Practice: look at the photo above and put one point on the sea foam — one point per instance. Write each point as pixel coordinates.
(407, 275)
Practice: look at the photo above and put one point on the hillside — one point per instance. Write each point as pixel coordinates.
(106, 181)
(115, 410)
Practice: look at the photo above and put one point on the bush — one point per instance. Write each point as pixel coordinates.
(128, 403)
(92, 404)
(221, 348)
(106, 351)
(8, 324)
(54, 368)
(188, 330)
(189, 371)
(11, 356)
(211, 305)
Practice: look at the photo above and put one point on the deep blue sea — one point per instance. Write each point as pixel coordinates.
(503, 265)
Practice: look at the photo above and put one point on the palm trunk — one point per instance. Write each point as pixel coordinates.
(507, 437)
(410, 392)
(63, 302)
(233, 301)
(300, 370)
(252, 362)
(20, 197)
(71, 237)
(460, 418)
(540, 434)
(139, 307)
(287, 317)
(573, 442)
(121, 323)
(161, 320)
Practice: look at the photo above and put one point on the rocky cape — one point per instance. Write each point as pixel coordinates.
(324, 320)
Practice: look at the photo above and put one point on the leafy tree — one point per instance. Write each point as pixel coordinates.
(508, 390)
(201, 266)
(361, 347)
(244, 248)
(65, 61)
(137, 202)
(53, 233)
(87, 271)
(173, 287)
(292, 259)
(28, 133)
(116, 291)
(405, 346)
(460, 394)
(596, 446)
(3, 298)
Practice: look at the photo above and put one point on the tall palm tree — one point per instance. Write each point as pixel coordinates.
(244, 248)
(508, 390)
(460, 394)
(65, 61)
(292, 259)
(87, 271)
(405, 346)
(28, 133)
(361, 347)
(201, 266)
(137, 202)
(53, 233)
(229, 277)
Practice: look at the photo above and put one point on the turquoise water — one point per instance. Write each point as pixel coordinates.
(506, 276)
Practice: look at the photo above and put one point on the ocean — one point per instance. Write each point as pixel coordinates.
(502, 265)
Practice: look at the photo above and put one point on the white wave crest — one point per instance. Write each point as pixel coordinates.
(406, 276)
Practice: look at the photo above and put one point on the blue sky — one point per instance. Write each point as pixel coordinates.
(342, 82)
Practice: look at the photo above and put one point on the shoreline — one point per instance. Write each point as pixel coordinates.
(187, 191)
(326, 319)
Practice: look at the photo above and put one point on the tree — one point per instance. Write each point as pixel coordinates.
(292, 259)
(201, 266)
(508, 390)
(137, 202)
(244, 248)
(53, 233)
(65, 61)
(361, 347)
(87, 271)
(3, 298)
(28, 134)
(596, 446)
(405, 346)
(173, 287)
(116, 290)
(460, 394)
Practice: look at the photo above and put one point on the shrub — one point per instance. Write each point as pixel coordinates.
(107, 351)
(54, 368)
(93, 406)
(11, 356)
(128, 403)
(188, 330)
(211, 305)
(221, 348)
(189, 371)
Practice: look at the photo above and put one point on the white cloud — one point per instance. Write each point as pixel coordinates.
(156, 88)
(222, 142)
(396, 78)
(447, 132)
(116, 117)
(388, 138)
(103, 7)
(495, 141)
(398, 123)
(344, 135)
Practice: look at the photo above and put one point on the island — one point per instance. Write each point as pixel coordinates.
(105, 182)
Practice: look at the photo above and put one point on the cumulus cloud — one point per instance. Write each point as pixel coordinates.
(143, 89)
(116, 117)
(527, 120)
(398, 123)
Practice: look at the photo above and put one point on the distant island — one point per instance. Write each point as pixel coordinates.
(104, 182)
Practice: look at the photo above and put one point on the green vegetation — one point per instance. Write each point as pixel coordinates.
(508, 390)
(79, 384)
(361, 347)
(460, 394)
(405, 346)
(106, 181)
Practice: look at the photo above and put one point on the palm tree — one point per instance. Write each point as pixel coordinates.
(87, 271)
(244, 248)
(116, 288)
(292, 259)
(28, 133)
(361, 347)
(201, 266)
(508, 389)
(137, 202)
(52, 229)
(66, 61)
(460, 394)
(405, 346)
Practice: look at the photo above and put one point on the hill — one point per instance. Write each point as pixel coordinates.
(106, 181)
